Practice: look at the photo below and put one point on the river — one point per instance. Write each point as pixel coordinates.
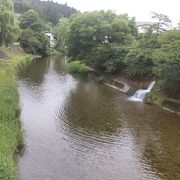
(78, 129)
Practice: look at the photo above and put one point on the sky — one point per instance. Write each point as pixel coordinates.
(141, 9)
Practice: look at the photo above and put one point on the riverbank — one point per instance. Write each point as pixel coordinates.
(10, 126)
(156, 97)
(123, 84)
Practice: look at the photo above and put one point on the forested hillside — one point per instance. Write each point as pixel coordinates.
(48, 10)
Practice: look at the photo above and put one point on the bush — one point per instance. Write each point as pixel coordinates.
(77, 67)
(155, 96)
(34, 43)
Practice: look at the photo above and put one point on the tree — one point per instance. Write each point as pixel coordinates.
(32, 20)
(33, 38)
(163, 22)
(21, 6)
(34, 42)
(48, 10)
(101, 39)
(140, 58)
(167, 61)
(8, 23)
(62, 31)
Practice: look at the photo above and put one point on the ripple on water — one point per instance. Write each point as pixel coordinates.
(77, 129)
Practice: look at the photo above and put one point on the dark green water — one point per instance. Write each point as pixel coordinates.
(77, 129)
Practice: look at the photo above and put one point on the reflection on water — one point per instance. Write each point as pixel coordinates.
(77, 129)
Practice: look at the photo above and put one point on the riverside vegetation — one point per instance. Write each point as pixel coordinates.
(111, 43)
(10, 126)
(29, 30)
(77, 67)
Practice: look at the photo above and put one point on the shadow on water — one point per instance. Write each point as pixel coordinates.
(80, 130)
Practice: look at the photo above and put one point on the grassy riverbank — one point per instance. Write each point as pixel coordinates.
(10, 126)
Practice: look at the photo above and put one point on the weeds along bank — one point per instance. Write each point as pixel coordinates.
(10, 127)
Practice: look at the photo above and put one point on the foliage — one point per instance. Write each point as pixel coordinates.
(49, 10)
(167, 61)
(155, 97)
(77, 67)
(62, 31)
(101, 38)
(8, 23)
(33, 38)
(10, 127)
(140, 58)
(163, 23)
(21, 6)
(32, 20)
(109, 43)
(108, 57)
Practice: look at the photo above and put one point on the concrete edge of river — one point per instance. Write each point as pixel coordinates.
(168, 104)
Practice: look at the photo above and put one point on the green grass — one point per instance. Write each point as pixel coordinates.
(77, 67)
(10, 126)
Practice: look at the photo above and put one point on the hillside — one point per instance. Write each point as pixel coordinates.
(49, 10)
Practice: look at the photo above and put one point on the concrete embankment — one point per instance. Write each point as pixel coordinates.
(120, 86)
(167, 104)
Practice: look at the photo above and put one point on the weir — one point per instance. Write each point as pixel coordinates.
(119, 85)
(141, 93)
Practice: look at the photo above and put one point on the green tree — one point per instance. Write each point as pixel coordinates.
(21, 6)
(101, 39)
(163, 22)
(34, 42)
(139, 60)
(48, 10)
(33, 38)
(32, 20)
(167, 61)
(8, 23)
(62, 31)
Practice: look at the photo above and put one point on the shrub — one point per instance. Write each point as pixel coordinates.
(77, 67)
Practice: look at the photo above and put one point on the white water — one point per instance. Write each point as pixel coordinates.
(141, 93)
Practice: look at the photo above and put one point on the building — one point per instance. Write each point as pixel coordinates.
(52, 40)
(141, 25)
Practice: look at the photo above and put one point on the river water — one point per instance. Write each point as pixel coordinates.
(77, 129)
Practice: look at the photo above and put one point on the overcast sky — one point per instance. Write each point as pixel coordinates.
(141, 9)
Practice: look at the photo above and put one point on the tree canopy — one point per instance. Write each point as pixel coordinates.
(100, 38)
(140, 58)
(48, 10)
(110, 43)
(33, 38)
(32, 20)
(167, 61)
(8, 23)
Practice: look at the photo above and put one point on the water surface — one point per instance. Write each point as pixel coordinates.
(77, 129)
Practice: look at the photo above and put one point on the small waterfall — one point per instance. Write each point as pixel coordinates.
(141, 93)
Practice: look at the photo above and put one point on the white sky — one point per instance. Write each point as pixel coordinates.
(141, 9)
